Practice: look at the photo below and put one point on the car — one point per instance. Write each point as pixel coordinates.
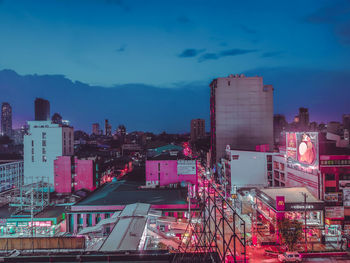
(289, 257)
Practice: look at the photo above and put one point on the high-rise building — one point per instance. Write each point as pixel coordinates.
(6, 119)
(96, 129)
(241, 114)
(43, 143)
(279, 125)
(56, 118)
(108, 128)
(42, 109)
(346, 121)
(197, 129)
(303, 119)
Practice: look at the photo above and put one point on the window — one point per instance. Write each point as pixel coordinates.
(330, 189)
(44, 159)
(158, 166)
(44, 135)
(229, 83)
(32, 158)
(44, 150)
(330, 177)
(32, 143)
(44, 142)
(32, 150)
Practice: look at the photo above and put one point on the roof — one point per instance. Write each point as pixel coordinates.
(291, 194)
(51, 212)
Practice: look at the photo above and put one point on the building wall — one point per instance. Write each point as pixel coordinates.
(11, 175)
(279, 170)
(296, 178)
(197, 129)
(241, 114)
(164, 172)
(63, 174)
(248, 168)
(42, 145)
(84, 175)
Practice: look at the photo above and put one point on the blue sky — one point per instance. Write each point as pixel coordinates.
(172, 44)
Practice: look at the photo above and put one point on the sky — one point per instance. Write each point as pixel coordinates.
(300, 47)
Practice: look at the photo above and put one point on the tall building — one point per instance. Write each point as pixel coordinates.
(279, 125)
(96, 129)
(43, 143)
(197, 129)
(346, 121)
(303, 119)
(42, 109)
(108, 128)
(241, 114)
(56, 118)
(6, 119)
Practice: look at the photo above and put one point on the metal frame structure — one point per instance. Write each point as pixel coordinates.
(219, 236)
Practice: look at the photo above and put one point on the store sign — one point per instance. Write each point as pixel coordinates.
(334, 212)
(186, 167)
(280, 203)
(346, 197)
(332, 197)
(40, 223)
(344, 184)
(301, 206)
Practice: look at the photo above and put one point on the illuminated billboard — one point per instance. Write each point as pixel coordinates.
(302, 149)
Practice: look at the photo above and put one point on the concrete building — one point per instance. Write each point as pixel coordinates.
(279, 126)
(96, 129)
(197, 129)
(108, 128)
(11, 174)
(241, 114)
(43, 143)
(303, 119)
(6, 119)
(346, 121)
(42, 109)
(73, 174)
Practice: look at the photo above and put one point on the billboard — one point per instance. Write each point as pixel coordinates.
(186, 167)
(332, 197)
(302, 149)
(344, 184)
(334, 212)
(346, 197)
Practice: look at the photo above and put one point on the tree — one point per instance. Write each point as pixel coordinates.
(291, 232)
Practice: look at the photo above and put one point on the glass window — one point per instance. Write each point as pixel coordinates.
(330, 177)
(44, 142)
(44, 135)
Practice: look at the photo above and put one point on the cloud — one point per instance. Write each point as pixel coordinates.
(183, 19)
(190, 53)
(121, 48)
(225, 53)
(119, 3)
(271, 54)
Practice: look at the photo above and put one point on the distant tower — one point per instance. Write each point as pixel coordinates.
(6, 119)
(96, 129)
(241, 114)
(56, 118)
(346, 121)
(197, 129)
(279, 125)
(303, 119)
(121, 132)
(42, 110)
(108, 128)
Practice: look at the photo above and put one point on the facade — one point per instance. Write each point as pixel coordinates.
(73, 174)
(241, 114)
(197, 129)
(42, 109)
(279, 126)
(6, 119)
(96, 129)
(108, 128)
(11, 175)
(303, 119)
(247, 168)
(346, 121)
(43, 143)
(165, 171)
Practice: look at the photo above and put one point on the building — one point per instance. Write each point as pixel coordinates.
(108, 128)
(6, 119)
(334, 127)
(346, 121)
(42, 109)
(303, 119)
(57, 118)
(247, 168)
(279, 126)
(167, 170)
(96, 129)
(73, 174)
(241, 114)
(43, 143)
(197, 129)
(11, 174)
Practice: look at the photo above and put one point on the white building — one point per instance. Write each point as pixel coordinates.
(248, 168)
(44, 142)
(11, 174)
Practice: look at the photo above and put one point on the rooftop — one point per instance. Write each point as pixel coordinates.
(291, 194)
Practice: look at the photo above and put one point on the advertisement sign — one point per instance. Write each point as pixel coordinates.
(334, 212)
(346, 197)
(280, 204)
(302, 149)
(332, 197)
(186, 167)
(344, 184)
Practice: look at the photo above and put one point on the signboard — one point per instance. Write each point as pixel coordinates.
(332, 197)
(344, 184)
(280, 203)
(302, 149)
(334, 212)
(346, 197)
(186, 167)
(301, 206)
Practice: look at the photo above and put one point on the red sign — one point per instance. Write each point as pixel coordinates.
(280, 204)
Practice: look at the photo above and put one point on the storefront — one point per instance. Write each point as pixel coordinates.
(274, 204)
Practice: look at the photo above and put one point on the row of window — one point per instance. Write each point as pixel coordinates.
(335, 162)
(342, 176)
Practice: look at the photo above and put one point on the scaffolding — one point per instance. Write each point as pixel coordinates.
(218, 235)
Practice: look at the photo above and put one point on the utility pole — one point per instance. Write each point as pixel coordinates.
(305, 196)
